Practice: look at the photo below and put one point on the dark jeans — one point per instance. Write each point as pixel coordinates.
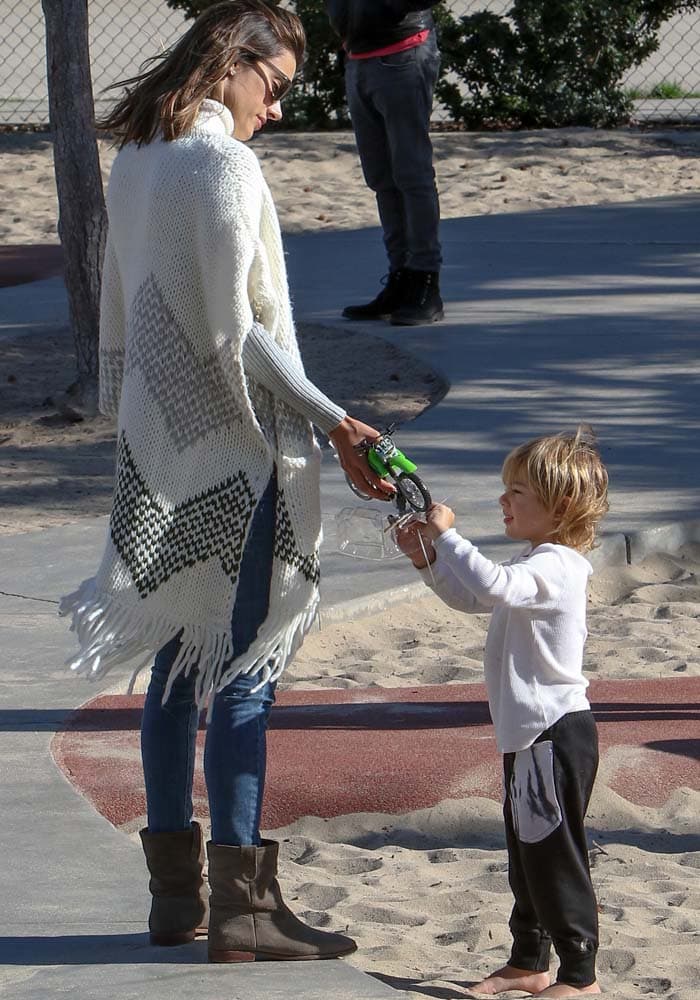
(235, 746)
(548, 787)
(390, 100)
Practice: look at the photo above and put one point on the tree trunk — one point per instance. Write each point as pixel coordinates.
(82, 219)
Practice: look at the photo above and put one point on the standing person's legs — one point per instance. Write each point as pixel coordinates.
(391, 100)
(549, 792)
(559, 876)
(548, 788)
(375, 158)
(249, 918)
(235, 743)
(235, 766)
(235, 752)
(400, 87)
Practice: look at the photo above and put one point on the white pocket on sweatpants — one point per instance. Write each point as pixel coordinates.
(533, 796)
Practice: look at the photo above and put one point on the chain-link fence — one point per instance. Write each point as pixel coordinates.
(665, 87)
(121, 36)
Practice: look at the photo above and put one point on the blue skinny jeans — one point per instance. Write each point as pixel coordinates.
(235, 744)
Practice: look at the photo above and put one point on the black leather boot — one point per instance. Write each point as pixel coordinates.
(384, 304)
(420, 299)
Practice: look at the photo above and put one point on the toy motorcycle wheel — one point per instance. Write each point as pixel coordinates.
(413, 492)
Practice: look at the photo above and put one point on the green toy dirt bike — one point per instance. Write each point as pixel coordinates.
(384, 458)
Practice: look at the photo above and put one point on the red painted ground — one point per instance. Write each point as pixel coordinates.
(29, 262)
(392, 750)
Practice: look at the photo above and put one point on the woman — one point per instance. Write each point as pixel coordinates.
(212, 551)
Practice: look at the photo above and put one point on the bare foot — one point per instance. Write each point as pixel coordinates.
(510, 978)
(561, 990)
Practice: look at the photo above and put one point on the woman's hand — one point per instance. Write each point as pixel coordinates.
(345, 437)
(414, 543)
(439, 518)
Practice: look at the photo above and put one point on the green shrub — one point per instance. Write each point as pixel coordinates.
(545, 63)
(318, 99)
(479, 72)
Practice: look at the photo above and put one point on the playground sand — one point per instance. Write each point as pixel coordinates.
(317, 183)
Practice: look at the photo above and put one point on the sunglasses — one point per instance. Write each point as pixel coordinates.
(280, 85)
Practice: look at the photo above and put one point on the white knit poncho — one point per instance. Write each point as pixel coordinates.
(194, 257)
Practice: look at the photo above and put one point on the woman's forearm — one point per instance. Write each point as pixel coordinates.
(273, 368)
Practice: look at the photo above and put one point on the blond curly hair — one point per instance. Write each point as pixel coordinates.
(566, 473)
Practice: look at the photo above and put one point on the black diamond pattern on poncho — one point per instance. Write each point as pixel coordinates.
(286, 547)
(189, 388)
(155, 543)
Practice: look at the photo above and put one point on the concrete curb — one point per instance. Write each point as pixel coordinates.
(616, 549)
(662, 538)
(371, 604)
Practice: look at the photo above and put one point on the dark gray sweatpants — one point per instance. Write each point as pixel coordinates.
(548, 787)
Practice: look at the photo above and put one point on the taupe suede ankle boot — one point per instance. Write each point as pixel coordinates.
(180, 906)
(249, 919)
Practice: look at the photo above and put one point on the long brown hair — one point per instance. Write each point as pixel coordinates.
(166, 98)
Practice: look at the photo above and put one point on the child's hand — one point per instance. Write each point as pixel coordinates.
(413, 543)
(439, 518)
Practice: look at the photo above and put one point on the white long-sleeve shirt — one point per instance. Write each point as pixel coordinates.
(533, 660)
